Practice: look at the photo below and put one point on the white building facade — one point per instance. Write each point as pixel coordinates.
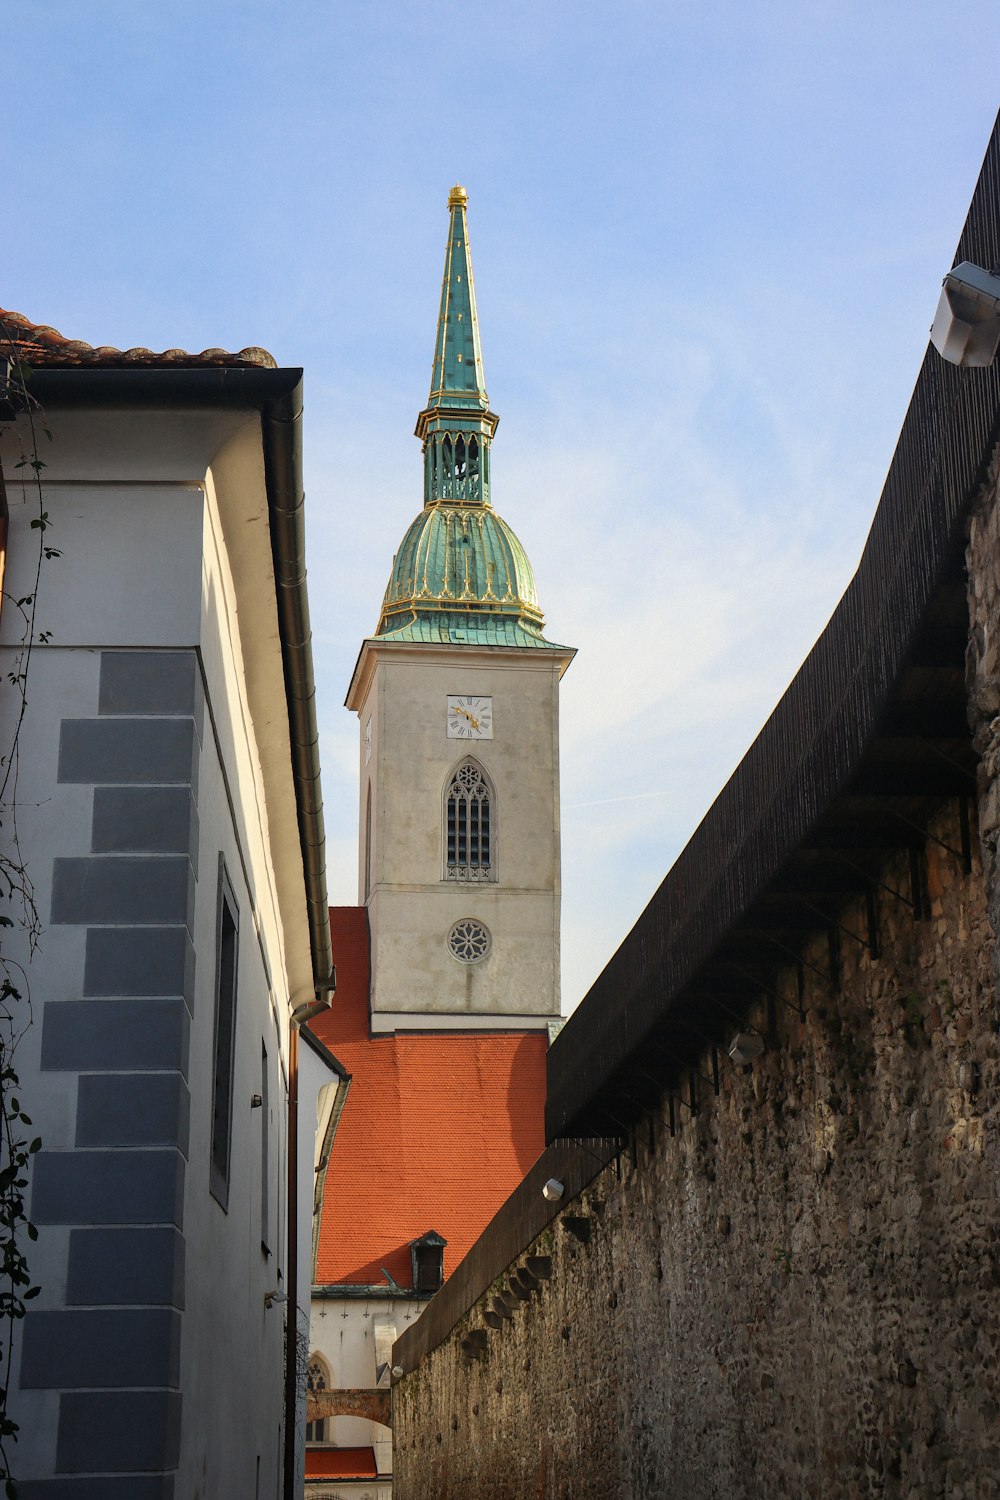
(171, 822)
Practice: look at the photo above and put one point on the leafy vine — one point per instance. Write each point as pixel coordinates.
(22, 928)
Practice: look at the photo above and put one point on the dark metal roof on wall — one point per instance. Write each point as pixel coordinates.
(868, 740)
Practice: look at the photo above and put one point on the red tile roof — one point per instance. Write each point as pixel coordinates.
(340, 1463)
(40, 346)
(437, 1131)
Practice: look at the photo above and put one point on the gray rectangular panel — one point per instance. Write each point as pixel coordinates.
(118, 1431)
(144, 820)
(132, 1109)
(148, 682)
(108, 1187)
(111, 1267)
(108, 752)
(120, 888)
(139, 961)
(131, 1035)
(79, 1348)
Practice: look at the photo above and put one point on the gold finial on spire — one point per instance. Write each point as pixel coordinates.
(458, 197)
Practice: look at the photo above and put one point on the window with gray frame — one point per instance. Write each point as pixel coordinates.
(226, 963)
(469, 835)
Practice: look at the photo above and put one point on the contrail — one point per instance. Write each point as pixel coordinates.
(606, 801)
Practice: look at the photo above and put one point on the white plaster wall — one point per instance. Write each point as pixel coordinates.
(232, 1347)
(100, 592)
(343, 1331)
(233, 1269)
(412, 906)
(241, 644)
(315, 1082)
(362, 1489)
(144, 565)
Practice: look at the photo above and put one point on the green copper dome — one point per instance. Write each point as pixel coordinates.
(460, 573)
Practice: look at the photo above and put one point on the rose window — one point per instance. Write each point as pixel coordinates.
(469, 941)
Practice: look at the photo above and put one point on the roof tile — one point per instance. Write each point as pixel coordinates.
(38, 345)
(438, 1129)
(340, 1463)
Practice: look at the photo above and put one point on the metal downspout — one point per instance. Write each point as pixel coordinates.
(282, 432)
(281, 422)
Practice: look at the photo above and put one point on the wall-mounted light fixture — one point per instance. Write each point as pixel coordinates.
(553, 1190)
(745, 1046)
(966, 327)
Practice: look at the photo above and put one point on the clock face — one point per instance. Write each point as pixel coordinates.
(470, 718)
(368, 741)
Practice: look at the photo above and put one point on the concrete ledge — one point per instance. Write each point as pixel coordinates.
(389, 1022)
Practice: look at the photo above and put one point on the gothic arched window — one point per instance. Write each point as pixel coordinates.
(317, 1379)
(469, 825)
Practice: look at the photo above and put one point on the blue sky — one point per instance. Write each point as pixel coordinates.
(708, 243)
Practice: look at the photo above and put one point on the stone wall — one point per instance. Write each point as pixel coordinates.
(796, 1290)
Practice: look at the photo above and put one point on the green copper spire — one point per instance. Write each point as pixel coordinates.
(456, 425)
(460, 575)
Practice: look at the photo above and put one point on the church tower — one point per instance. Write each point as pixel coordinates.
(457, 696)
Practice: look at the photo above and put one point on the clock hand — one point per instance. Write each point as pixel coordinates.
(474, 722)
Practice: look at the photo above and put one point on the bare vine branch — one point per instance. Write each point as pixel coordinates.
(21, 919)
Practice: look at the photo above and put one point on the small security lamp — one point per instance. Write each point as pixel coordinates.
(553, 1190)
(745, 1046)
(966, 327)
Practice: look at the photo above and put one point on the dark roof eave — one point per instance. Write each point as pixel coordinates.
(352, 1292)
(323, 1052)
(277, 395)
